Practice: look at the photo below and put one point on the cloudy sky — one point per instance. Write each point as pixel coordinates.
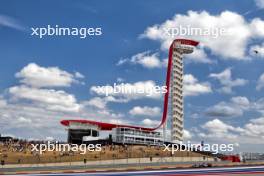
(43, 81)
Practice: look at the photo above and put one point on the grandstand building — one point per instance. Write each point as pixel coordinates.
(127, 135)
(80, 131)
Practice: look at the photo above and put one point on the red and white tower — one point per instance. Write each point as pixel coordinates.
(81, 130)
(178, 48)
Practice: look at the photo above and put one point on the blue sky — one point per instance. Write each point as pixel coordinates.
(236, 113)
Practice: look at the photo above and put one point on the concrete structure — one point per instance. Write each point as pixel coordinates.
(180, 47)
(174, 84)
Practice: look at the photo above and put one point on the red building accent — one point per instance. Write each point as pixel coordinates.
(232, 158)
(110, 126)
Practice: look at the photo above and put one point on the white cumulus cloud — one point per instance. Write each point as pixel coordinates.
(234, 108)
(217, 129)
(192, 87)
(198, 56)
(145, 59)
(255, 128)
(37, 76)
(232, 45)
(250, 133)
(145, 111)
(97, 102)
(150, 123)
(48, 98)
(187, 135)
(226, 80)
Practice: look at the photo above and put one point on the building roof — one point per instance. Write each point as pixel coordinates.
(186, 42)
(103, 125)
